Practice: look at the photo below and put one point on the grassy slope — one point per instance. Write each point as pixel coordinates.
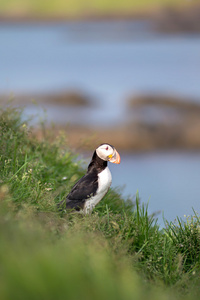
(118, 252)
(83, 7)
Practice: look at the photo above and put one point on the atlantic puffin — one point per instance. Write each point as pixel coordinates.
(93, 186)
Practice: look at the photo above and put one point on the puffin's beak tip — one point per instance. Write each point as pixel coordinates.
(116, 159)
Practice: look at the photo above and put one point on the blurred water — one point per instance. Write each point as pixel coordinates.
(110, 61)
(169, 181)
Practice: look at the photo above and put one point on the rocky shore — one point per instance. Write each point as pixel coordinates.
(73, 98)
(164, 18)
(176, 126)
(173, 20)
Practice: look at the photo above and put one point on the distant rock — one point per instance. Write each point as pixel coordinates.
(71, 98)
(164, 122)
(165, 101)
(68, 98)
(175, 20)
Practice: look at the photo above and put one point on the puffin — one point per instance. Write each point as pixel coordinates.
(94, 185)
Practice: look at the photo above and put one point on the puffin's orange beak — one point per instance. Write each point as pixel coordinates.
(115, 158)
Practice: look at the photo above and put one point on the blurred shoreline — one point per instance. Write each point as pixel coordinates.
(174, 124)
(164, 19)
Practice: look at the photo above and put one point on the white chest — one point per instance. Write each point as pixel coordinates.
(105, 180)
(104, 183)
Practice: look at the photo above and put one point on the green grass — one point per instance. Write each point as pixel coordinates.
(118, 252)
(77, 8)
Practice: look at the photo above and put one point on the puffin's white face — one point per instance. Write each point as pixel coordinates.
(108, 153)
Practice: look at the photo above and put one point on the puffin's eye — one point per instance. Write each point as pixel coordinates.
(107, 148)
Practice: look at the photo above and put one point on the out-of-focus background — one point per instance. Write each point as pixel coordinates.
(123, 72)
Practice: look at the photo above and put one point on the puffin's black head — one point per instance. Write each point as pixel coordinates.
(108, 153)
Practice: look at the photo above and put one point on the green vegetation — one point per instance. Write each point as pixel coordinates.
(119, 252)
(81, 8)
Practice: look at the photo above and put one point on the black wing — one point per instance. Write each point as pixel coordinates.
(82, 190)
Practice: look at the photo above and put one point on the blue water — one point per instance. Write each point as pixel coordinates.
(109, 62)
(168, 182)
